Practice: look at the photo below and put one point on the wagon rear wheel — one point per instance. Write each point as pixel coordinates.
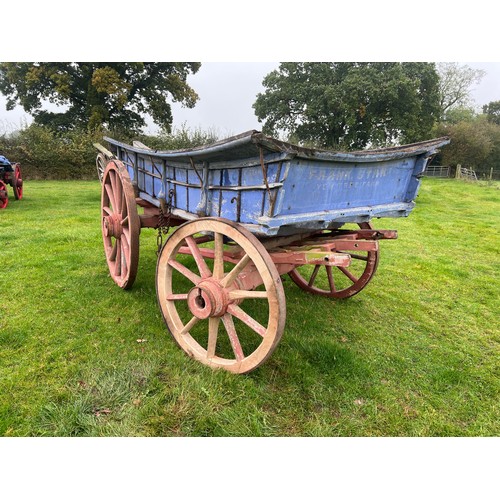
(210, 314)
(4, 199)
(120, 224)
(101, 166)
(17, 182)
(339, 282)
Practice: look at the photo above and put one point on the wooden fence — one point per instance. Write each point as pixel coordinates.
(465, 173)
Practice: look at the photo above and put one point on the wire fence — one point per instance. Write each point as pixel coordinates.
(438, 171)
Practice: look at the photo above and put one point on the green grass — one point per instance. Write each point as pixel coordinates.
(417, 353)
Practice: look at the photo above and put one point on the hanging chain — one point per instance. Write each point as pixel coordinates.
(164, 221)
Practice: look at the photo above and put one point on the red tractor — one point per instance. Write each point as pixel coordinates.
(10, 173)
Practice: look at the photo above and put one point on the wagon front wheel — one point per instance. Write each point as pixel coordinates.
(339, 283)
(4, 199)
(17, 182)
(120, 224)
(220, 295)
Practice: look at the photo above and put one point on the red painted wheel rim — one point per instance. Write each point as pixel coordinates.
(17, 182)
(339, 283)
(4, 200)
(120, 225)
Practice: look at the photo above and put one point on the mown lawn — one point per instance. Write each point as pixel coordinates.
(417, 353)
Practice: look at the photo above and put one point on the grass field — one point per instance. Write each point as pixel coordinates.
(417, 353)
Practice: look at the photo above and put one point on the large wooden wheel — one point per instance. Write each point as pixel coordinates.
(210, 314)
(339, 282)
(101, 165)
(4, 198)
(17, 182)
(120, 224)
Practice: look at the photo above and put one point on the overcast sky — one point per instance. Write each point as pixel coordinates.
(227, 92)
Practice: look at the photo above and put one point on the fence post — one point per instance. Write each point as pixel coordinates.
(458, 173)
(491, 173)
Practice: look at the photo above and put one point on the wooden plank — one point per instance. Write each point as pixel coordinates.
(108, 154)
(139, 144)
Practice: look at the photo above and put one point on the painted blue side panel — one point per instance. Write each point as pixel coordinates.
(227, 198)
(316, 186)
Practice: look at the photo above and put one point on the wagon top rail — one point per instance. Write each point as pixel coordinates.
(253, 142)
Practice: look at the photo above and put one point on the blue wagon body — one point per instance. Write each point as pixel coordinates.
(276, 188)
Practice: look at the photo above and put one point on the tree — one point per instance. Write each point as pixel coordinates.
(459, 114)
(471, 144)
(116, 94)
(455, 83)
(350, 105)
(492, 111)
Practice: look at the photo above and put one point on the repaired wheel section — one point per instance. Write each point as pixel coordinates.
(17, 182)
(120, 224)
(339, 282)
(211, 316)
(4, 198)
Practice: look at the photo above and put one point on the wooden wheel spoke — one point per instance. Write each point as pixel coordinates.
(349, 274)
(119, 195)
(123, 202)
(126, 234)
(233, 337)
(219, 256)
(194, 278)
(107, 210)
(213, 330)
(118, 261)
(239, 313)
(247, 294)
(200, 261)
(125, 257)
(177, 296)
(313, 275)
(114, 190)
(331, 281)
(126, 249)
(114, 248)
(189, 325)
(111, 200)
(233, 274)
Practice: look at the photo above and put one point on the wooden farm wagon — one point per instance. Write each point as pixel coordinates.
(250, 209)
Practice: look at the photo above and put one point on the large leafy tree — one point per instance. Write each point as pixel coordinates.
(473, 143)
(492, 111)
(350, 105)
(455, 84)
(93, 94)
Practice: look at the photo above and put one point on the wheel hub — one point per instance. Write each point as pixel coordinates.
(112, 225)
(208, 299)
